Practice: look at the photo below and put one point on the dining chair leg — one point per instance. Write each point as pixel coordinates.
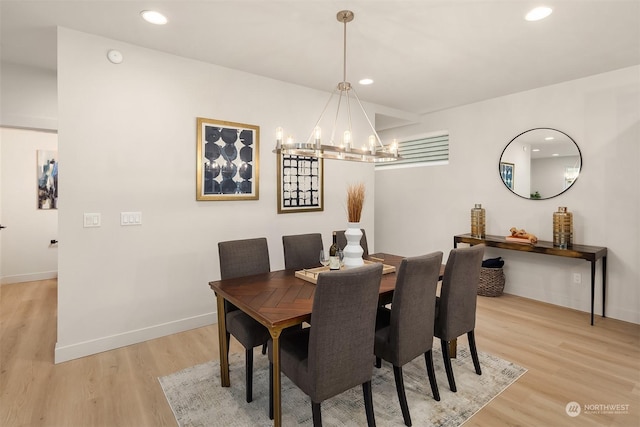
(447, 365)
(428, 358)
(248, 366)
(368, 404)
(317, 415)
(264, 348)
(378, 362)
(402, 397)
(228, 336)
(474, 352)
(270, 390)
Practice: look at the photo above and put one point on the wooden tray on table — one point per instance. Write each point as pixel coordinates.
(311, 274)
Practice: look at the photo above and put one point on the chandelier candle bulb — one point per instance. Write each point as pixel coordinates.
(478, 221)
(279, 133)
(346, 140)
(317, 132)
(562, 228)
(372, 144)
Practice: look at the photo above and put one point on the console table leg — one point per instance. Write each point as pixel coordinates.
(604, 282)
(593, 286)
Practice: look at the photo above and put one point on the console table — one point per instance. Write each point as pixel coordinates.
(589, 253)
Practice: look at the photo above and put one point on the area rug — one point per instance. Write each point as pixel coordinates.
(197, 399)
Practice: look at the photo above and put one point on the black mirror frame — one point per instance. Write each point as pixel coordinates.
(529, 130)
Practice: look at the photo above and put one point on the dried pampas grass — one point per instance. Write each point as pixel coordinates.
(355, 201)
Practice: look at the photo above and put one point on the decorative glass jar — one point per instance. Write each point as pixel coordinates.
(478, 222)
(562, 228)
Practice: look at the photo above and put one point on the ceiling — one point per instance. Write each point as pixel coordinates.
(423, 55)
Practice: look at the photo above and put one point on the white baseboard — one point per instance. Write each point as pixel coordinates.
(68, 352)
(32, 277)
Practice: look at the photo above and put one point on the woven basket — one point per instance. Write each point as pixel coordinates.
(491, 282)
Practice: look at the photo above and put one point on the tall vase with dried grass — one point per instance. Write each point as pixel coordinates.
(355, 201)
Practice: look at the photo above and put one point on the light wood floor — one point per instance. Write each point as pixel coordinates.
(568, 360)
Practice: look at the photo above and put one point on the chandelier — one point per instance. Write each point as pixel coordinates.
(371, 151)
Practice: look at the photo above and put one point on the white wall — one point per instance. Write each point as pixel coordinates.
(602, 114)
(26, 250)
(127, 133)
(29, 98)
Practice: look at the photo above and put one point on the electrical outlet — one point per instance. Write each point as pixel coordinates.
(577, 278)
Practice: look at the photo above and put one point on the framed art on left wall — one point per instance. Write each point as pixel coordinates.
(227, 160)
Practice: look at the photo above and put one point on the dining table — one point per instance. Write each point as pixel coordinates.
(278, 300)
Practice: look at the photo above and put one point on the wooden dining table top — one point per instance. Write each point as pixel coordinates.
(279, 299)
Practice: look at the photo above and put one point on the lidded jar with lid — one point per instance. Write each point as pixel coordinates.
(478, 221)
(562, 228)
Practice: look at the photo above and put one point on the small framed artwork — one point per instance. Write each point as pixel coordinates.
(300, 184)
(47, 175)
(506, 172)
(227, 160)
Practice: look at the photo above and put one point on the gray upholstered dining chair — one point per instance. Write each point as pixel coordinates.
(456, 306)
(342, 241)
(335, 354)
(405, 331)
(239, 258)
(302, 250)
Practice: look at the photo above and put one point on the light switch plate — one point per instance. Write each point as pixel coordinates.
(130, 218)
(91, 220)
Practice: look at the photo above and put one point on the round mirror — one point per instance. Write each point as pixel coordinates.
(540, 163)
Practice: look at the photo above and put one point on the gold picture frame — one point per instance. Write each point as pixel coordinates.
(228, 156)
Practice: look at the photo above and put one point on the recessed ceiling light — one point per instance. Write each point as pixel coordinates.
(549, 138)
(365, 82)
(153, 17)
(555, 154)
(536, 150)
(538, 13)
